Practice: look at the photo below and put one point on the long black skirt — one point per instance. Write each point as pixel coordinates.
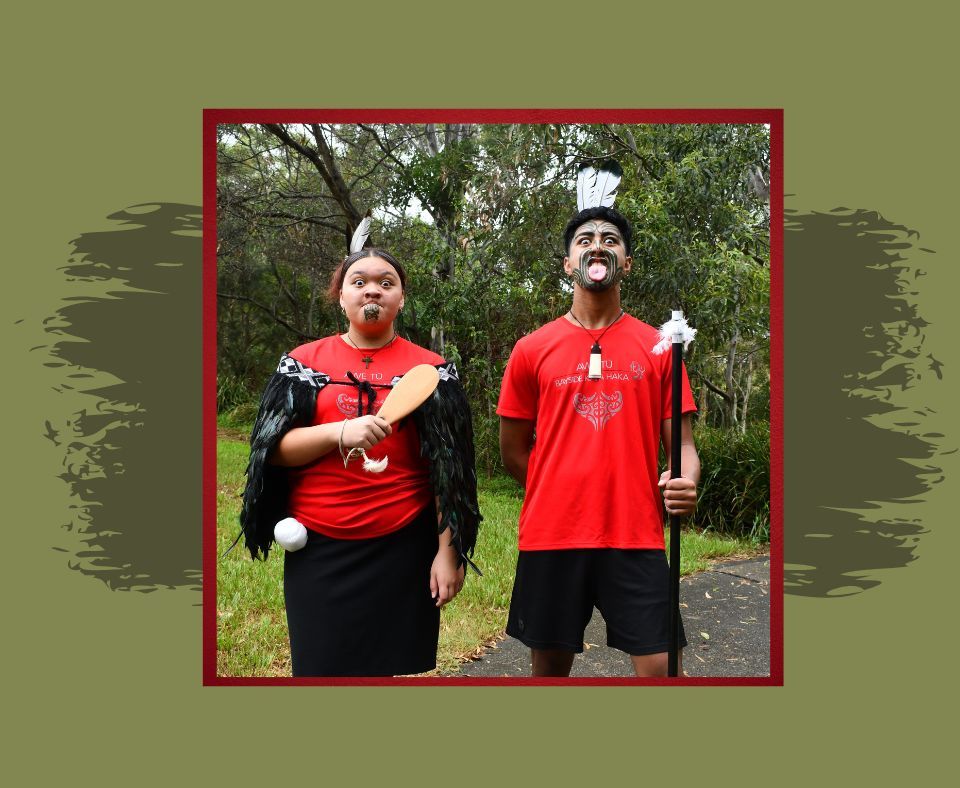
(362, 607)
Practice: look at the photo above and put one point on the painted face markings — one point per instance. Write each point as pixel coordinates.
(600, 256)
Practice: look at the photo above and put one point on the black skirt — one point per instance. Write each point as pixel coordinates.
(362, 607)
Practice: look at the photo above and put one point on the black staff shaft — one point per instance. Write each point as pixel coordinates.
(673, 652)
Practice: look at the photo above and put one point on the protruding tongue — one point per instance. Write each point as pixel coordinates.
(597, 272)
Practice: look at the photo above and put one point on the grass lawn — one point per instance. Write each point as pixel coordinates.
(251, 623)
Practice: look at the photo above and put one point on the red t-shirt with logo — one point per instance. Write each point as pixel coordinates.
(592, 477)
(350, 503)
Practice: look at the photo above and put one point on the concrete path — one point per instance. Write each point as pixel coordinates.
(726, 617)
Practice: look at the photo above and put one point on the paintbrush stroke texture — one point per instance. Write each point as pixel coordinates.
(132, 343)
(854, 345)
(860, 445)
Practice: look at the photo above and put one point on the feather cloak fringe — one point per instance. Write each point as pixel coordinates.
(445, 428)
(286, 403)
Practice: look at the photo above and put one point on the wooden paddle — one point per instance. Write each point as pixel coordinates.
(410, 392)
(405, 397)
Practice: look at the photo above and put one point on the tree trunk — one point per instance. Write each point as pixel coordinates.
(746, 398)
(731, 404)
(437, 341)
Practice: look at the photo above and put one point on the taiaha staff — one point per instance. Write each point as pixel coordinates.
(677, 334)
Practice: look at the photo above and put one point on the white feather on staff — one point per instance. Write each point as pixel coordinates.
(361, 234)
(674, 330)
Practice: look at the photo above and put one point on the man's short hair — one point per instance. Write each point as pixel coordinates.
(601, 212)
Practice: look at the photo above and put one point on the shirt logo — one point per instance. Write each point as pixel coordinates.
(347, 405)
(598, 408)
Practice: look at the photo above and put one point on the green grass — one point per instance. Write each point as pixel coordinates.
(251, 623)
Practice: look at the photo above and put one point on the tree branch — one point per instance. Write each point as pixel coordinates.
(339, 186)
(322, 160)
(716, 390)
(382, 145)
(269, 311)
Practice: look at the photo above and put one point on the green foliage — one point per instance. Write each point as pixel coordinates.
(231, 391)
(476, 214)
(735, 481)
(240, 417)
(702, 245)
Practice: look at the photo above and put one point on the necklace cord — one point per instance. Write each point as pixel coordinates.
(596, 340)
(369, 353)
(595, 369)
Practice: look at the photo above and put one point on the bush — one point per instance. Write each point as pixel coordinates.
(240, 417)
(735, 481)
(231, 391)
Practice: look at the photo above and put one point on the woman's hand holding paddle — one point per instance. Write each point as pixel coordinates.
(365, 432)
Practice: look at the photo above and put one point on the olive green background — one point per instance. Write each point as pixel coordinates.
(104, 112)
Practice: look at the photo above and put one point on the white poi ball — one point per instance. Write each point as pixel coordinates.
(290, 534)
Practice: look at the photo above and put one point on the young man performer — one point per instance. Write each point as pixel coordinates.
(584, 405)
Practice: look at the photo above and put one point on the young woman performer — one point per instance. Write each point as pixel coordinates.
(363, 596)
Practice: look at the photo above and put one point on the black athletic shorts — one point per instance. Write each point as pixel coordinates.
(555, 591)
(362, 607)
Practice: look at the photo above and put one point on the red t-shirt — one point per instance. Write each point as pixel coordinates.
(350, 503)
(592, 477)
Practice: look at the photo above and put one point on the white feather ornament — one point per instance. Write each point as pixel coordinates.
(586, 182)
(373, 466)
(608, 179)
(674, 330)
(361, 234)
(597, 188)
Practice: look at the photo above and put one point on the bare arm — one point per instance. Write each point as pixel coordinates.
(446, 578)
(516, 441)
(680, 494)
(306, 444)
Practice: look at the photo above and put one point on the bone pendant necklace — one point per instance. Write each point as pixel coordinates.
(594, 370)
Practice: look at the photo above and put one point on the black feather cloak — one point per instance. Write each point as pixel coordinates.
(445, 428)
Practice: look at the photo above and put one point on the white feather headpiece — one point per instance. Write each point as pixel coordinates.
(361, 234)
(597, 188)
